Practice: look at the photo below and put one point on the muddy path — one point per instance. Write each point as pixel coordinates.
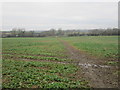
(93, 70)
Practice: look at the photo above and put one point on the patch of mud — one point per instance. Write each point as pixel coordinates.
(91, 69)
(87, 65)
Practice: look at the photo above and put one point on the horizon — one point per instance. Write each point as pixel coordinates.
(62, 29)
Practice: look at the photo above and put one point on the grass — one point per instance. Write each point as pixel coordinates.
(22, 68)
(20, 72)
(30, 74)
(34, 46)
(100, 46)
(112, 63)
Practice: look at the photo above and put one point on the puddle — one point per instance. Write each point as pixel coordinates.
(86, 65)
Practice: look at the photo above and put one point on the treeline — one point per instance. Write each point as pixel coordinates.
(97, 32)
(21, 32)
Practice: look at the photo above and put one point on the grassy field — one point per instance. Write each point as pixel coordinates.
(36, 62)
(100, 46)
(22, 68)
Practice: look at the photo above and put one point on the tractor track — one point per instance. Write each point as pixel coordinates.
(98, 75)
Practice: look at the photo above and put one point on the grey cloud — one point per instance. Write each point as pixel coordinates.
(65, 15)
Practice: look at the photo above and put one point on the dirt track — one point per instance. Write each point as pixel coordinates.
(93, 70)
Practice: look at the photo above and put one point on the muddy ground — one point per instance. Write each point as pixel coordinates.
(93, 69)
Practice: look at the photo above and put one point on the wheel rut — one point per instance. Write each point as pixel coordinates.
(98, 75)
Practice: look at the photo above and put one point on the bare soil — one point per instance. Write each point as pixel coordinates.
(93, 69)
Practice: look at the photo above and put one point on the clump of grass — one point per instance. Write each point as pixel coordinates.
(112, 63)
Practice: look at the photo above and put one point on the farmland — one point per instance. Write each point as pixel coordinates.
(100, 46)
(49, 62)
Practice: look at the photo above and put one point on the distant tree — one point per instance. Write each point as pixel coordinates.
(52, 32)
(31, 33)
(18, 32)
(60, 32)
(14, 32)
(21, 32)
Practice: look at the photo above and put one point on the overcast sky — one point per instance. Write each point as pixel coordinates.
(65, 15)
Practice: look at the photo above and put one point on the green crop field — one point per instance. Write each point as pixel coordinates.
(100, 46)
(19, 71)
(41, 62)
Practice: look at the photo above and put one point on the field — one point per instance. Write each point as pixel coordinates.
(102, 46)
(47, 62)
